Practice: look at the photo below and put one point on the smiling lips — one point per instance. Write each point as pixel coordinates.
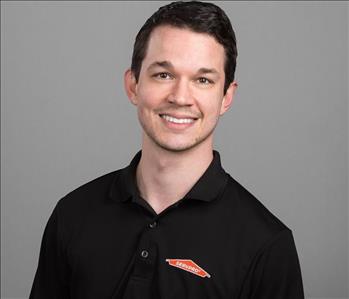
(178, 120)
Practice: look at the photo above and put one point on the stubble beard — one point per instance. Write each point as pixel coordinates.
(180, 148)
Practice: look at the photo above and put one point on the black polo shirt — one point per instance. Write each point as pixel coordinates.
(103, 240)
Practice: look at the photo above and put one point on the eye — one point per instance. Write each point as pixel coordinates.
(163, 76)
(203, 80)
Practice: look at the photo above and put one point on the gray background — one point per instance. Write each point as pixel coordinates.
(65, 119)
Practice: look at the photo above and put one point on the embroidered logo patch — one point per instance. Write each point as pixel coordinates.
(188, 265)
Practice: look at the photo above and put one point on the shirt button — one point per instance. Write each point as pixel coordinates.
(144, 254)
(152, 225)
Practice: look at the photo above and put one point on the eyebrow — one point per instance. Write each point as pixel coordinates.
(168, 65)
(165, 64)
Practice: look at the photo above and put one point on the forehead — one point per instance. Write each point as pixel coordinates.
(184, 48)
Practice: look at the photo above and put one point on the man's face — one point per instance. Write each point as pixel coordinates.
(179, 94)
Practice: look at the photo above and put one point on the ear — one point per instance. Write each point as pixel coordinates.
(228, 97)
(130, 86)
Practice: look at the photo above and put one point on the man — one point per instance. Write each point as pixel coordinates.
(173, 223)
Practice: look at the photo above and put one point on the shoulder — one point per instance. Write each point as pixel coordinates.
(255, 222)
(75, 209)
(87, 197)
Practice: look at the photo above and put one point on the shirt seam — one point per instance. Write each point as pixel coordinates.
(223, 188)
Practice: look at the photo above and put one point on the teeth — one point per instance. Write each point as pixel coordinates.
(176, 120)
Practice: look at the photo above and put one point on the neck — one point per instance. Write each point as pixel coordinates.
(164, 177)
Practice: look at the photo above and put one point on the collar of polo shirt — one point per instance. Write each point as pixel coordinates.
(207, 188)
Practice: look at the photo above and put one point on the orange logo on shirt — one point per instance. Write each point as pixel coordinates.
(188, 265)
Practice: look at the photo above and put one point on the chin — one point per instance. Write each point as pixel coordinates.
(173, 147)
(177, 147)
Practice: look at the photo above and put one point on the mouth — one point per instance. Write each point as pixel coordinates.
(177, 122)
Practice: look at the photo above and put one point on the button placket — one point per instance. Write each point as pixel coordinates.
(144, 254)
(153, 224)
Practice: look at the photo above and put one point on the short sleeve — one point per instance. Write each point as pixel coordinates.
(51, 277)
(275, 272)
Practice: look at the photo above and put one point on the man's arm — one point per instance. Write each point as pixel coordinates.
(51, 278)
(275, 272)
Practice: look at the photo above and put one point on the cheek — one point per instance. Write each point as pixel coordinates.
(150, 98)
(147, 108)
(153, 92)
(145, 104)
(212, 111)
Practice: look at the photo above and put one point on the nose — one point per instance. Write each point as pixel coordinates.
(181, 94)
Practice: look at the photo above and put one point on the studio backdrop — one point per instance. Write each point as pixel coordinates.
(65, 119)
